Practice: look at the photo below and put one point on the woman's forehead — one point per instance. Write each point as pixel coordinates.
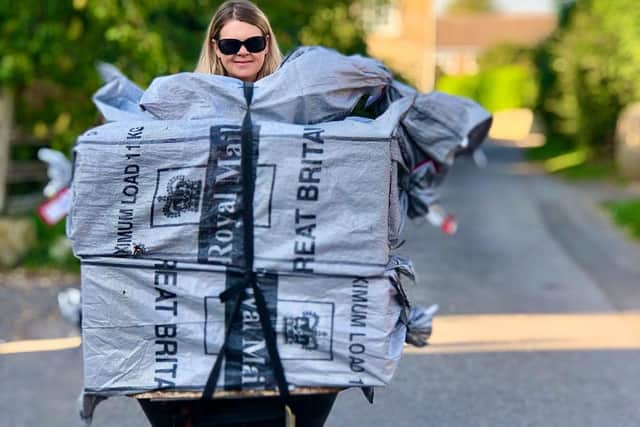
(235, 29)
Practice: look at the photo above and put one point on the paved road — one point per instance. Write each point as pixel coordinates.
(528, 247)
(539, 320)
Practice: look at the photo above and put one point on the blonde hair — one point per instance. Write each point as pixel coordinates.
(244, 11)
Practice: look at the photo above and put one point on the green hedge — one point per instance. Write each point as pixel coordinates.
(588, 71)
(496, 89)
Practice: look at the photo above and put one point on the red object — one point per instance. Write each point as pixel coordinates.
(425, 162)
(450, 225)
(53, 210)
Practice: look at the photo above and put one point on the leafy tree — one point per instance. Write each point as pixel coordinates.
(497, 88)
(48, 52)
(48, 49)
(469, 6)
(332, 26)
(331, 23)
(506, 79)
(589, 70)
(504, 54)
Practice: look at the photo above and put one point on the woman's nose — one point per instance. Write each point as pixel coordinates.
(243, 50)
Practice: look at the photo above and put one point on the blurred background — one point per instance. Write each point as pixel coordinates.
(560, 76)
(557, 74)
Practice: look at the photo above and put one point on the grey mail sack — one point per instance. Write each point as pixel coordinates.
(152, 325)
(173, 190)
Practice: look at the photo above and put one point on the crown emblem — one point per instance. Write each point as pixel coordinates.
(303, 330)
(183, 195)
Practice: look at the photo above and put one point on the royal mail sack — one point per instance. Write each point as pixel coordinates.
(159, 324)
(172, 189)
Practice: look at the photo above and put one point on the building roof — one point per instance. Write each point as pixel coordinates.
(484, 30)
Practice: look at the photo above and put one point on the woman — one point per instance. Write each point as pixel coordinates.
(239, 43)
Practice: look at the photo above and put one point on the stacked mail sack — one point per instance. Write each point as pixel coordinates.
(158, 221)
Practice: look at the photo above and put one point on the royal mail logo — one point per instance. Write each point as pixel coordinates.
(303, 330)
(182, 196)
(307, 330)
(178, 196)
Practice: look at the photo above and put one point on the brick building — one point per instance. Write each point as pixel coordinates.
(409, 37)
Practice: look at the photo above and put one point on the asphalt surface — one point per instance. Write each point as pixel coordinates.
(527, 245)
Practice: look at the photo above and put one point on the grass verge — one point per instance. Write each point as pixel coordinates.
(626, 214)
(561, 158)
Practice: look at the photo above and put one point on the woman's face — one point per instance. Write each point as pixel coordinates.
(243, 65)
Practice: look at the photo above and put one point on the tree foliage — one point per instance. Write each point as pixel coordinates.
(506, 79)
(504, 54)
(497, 88)
(469, 6)
(48, 49)
(332, 26)
(589, 71)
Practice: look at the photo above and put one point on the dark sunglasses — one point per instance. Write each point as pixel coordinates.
(232, 46)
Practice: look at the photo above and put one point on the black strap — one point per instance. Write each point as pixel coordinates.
(250, 279)
(368, 393)
(212, 381)
(248, 184)
(270, 340)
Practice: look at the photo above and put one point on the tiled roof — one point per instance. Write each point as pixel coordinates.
(484, 30)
